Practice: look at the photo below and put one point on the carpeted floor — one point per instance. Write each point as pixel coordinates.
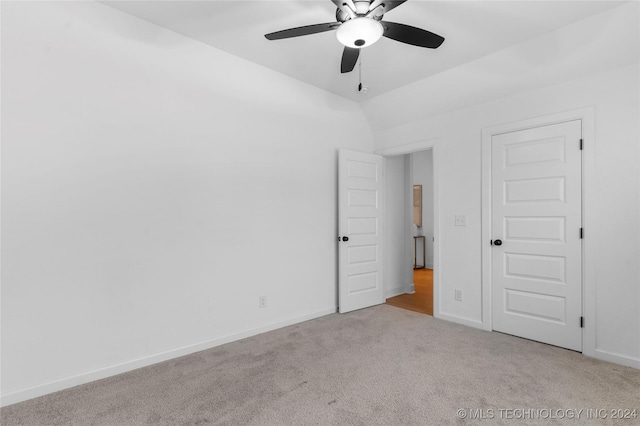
(377, 366)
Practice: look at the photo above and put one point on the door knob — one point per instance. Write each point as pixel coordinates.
(345, 238)
(497, 242)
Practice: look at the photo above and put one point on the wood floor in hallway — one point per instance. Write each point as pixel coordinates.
(420, 301)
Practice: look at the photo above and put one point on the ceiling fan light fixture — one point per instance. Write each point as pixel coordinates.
(359, 32)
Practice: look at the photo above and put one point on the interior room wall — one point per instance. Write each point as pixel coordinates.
(422, 171)
(615, 96)
(152, 189)
(397, 260)
(584, 68)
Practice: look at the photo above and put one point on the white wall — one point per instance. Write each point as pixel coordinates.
(398, 260)
(422, 174)
(140, 172)
(615, 96)
(584, 68)
(599, 43)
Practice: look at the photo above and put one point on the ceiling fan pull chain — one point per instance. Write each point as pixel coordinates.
(360, 75)
(361, 88)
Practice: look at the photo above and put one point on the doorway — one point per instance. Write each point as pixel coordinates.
(421, 300)
(412, 176)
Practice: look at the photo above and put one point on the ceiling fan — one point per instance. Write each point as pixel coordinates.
(359, 24)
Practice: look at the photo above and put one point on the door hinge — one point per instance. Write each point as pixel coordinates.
(581, 233)
(581, 322)
(581, 144)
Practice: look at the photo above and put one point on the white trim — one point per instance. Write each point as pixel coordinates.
(408, 209)
(408, 148)
(589, 222)
(587, 115)
(485, 221)
(461, 320)
(396, 291)
(433, 145)
(616, 358)
(90, 376)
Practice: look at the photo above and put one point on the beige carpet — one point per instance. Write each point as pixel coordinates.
(377, 366)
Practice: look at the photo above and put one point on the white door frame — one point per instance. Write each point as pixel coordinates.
(587, 115)
(410, 148)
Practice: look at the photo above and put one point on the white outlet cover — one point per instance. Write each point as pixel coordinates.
(458, 295)
(460, 220)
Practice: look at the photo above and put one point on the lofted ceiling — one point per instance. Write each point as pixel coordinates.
(472, 29)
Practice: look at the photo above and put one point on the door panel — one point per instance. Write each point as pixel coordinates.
(536, 306)
(537, 213)
(546, 190)
(535, 229)
(535, 267)
(360, 193)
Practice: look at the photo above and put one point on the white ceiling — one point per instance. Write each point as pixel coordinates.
(472, 29)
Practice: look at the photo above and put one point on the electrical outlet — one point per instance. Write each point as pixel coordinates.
(458, 295)
(460, 220)
(262, 301)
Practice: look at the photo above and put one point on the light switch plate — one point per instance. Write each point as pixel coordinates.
(461, 220)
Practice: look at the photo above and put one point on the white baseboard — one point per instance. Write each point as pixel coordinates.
(617, 358)
(460, 320)
(90, 376)
(396, 291)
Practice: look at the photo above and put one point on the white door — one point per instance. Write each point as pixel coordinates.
(536, 229)
(360, 204)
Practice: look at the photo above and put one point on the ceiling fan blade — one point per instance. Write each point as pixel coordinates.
(411, 35)
(389, 5)
(302, 31)
(339, 3)
(349, 59)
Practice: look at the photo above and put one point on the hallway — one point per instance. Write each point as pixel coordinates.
(420, 301)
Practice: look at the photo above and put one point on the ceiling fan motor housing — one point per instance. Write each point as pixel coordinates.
(362, 7)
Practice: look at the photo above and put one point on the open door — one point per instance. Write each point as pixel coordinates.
(360, 204)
